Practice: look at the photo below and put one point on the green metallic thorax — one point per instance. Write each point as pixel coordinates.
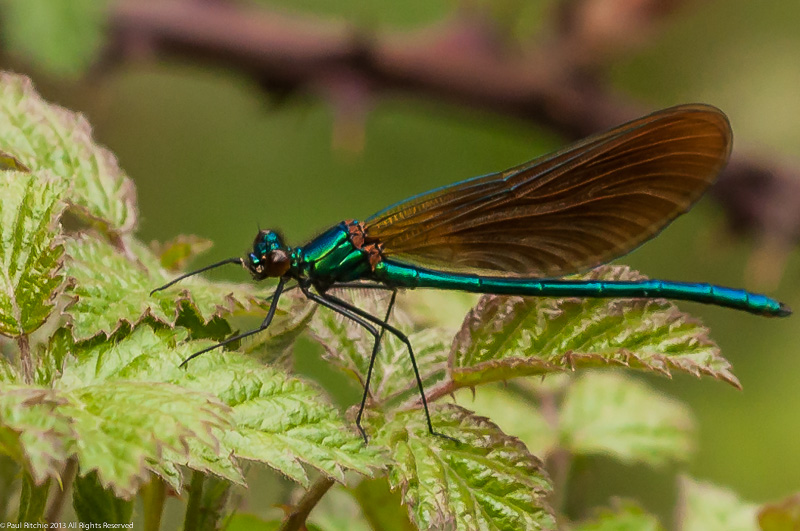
(331, 257)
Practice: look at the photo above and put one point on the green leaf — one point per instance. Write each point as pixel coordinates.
(515, 414)
(167, 470)
(504, 337)
(96, 504)
(122, 425)
(8, 373)
(144, 356)
(50, 357)
(30, 252)
(10, 162)
(627, 517)
(111, 290)
(281, 421)
(706, 507)
(61, 36)
(220, 461)
(486, 481)
(43, 136)
(277, 420)
(31, 430)
(382, 508)
(349, 346)
(433, 308)
(176, 253)
(619, 416)
(781, 516)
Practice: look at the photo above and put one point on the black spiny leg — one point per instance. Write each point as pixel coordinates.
(378, 339)
(388, 313)
(276, 295)
(371, 329)
(344, 305)
(370, 285)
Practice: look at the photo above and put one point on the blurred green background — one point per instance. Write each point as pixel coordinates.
(212, 155)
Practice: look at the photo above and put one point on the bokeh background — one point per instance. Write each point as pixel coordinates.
(214, 154)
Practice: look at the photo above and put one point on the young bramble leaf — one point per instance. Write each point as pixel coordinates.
(46, 137)
(706, 507)
(10, 162)
(121, 425)
(616, 415)
(486, 481)
(504, 337)
(627, 517)
(174, 254)
(187, 432)
(781, 516)
(143, 356)
(110, 289)
(433, 308)
(8, 373)
(513, 414)
(276, 419)
(167, 469)
(382, 507)
(30, 254)
(349, 346)
(50, 357)
(32, 432)
(281, 421)
(219, 460)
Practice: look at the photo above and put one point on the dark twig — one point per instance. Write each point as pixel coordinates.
(557, 84)
(25, 358)
(297, 515)
(53, 514)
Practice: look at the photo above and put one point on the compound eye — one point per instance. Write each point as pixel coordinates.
(278, 263)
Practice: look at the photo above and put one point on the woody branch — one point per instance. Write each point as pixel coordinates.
(558, 83)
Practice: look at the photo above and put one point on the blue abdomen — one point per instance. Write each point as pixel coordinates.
(403, 275)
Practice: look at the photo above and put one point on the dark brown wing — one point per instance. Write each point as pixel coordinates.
(569, 211)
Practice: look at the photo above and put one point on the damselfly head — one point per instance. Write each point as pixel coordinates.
(270, 257)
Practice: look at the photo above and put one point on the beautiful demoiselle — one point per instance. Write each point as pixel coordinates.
(515, 232)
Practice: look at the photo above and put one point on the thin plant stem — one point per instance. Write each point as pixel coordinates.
(559, 462)
(25, 358)
(154, 495)
(192, 518)
(53, 513)
(296, 518)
